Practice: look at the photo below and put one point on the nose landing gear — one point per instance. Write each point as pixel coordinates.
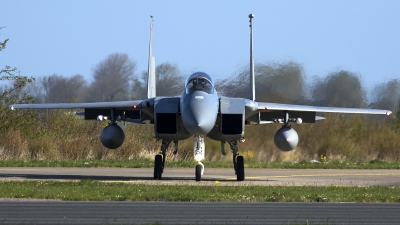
(199, 155)
(199, 171)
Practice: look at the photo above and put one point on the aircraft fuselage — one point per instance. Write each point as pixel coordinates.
(199, 105)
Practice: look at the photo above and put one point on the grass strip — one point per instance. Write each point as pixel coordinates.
(146, 163)
(90, 190)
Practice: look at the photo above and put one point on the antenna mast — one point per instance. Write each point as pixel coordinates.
(252, 81)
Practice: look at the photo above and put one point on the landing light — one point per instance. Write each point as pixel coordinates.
(101, 117)
(198, 157)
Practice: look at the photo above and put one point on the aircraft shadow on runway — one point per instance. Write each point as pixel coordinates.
(104, 178)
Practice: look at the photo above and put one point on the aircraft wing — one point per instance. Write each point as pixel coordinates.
(274, 112)
(92, 105)
(130, 111)
(262, 106)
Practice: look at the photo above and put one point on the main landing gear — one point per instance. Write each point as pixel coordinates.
(199, 153)
(159, 160)
(238, 160)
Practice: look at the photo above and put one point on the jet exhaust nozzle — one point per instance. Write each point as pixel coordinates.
(112, 136)
(286, 139)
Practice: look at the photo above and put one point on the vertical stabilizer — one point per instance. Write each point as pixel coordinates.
(252, 81)
(151, 80)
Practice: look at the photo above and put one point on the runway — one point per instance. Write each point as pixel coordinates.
(224, 176)
(52, 212)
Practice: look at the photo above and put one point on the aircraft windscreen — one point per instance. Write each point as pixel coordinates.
(199, 82)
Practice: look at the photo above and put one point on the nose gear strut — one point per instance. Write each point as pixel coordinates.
(198, 153)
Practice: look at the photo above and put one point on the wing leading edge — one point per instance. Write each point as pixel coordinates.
(265, 106)
(126, 105)
(130, 111)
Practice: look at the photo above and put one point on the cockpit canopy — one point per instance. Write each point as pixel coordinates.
(199, 81)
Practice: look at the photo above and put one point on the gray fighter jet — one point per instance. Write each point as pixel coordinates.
(201, 112)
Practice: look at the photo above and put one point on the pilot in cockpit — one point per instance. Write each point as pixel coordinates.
(199, 83)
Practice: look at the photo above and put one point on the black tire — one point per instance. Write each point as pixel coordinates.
(240, 168)
(158, 162)
(198, 172)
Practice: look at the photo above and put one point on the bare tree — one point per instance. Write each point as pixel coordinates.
(340, 89)
(35, 89)
(387, 95)
(62, 89)
(139, 87)
(112, 79)
(275, 82)
(169, 79)
(169, 82)
(281, 82)
(237, 85)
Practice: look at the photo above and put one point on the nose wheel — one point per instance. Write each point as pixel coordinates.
(199, 171)
(198, 152)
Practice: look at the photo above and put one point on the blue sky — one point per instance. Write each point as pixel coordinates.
(71, 37)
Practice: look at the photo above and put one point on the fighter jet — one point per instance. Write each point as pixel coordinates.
(200, 112)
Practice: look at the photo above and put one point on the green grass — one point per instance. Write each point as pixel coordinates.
(146, 163)
(89, 190)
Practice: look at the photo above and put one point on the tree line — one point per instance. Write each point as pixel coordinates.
(115, 79)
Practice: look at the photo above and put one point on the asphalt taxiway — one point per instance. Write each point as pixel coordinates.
(212, 176)
(58, 212)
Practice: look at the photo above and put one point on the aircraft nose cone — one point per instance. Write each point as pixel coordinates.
(199, 118)
(200, 124)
